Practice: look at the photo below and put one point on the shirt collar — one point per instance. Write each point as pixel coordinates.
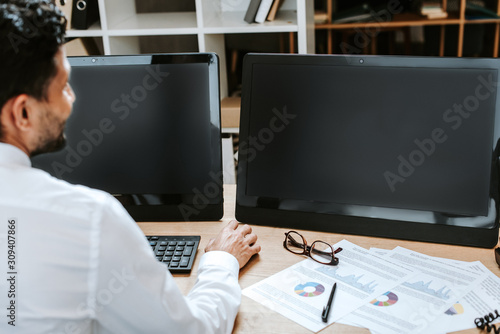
(10, 154)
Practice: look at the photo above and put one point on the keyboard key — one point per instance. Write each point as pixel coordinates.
(184, 262)
(174, 264)
(188, 251)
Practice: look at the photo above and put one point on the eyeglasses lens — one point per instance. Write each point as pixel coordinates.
(321, 252)
(295, 243)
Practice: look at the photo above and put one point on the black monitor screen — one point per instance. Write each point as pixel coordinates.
(147, 130)
(378, 138)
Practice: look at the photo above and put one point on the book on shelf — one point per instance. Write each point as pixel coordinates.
(433, 10)
(259, 11)
(274, 9)
(252, 9)
(440, 15)
(263, 11)
(320, 17)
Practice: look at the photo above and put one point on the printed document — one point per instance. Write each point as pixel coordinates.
(415, 305)
(301, 291)
(484, 299)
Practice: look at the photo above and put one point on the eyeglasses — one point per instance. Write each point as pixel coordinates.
(319, 251)
(497, 255)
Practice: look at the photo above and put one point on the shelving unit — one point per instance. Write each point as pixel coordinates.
(402, 20)
(123, 30)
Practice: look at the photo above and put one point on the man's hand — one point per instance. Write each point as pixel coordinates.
(237, 240)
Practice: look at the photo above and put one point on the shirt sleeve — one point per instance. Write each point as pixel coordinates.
(134, 293)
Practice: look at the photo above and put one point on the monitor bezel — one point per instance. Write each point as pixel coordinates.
(170, 210)
(389, 227)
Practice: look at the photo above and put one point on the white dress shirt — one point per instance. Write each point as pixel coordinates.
(84, 266)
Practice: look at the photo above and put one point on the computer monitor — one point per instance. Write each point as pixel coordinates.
(387, 146)
(146, 128)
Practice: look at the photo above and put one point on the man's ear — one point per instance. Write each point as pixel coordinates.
(18, 112)
(18, 121)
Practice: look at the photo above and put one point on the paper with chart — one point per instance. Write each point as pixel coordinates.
(404, 308)
(301, 291)
(485, 298)
(464, 280)
(414, 305)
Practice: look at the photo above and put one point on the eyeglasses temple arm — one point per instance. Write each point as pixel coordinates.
(326, 253)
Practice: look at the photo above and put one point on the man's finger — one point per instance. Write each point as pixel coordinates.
(245, 229)
(233, 225)
(251, 238)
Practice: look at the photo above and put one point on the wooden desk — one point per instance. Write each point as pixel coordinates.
(256, 318)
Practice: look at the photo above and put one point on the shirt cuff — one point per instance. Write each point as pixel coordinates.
(220, 259)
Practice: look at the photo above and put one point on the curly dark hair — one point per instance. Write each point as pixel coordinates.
(31, 33)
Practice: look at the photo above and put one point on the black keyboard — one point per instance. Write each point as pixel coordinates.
(177, 252)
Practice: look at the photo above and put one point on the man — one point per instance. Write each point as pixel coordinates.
(74, 261)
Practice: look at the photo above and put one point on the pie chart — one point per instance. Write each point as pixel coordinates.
(387, 299)
(309, 289)
(455, 309)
